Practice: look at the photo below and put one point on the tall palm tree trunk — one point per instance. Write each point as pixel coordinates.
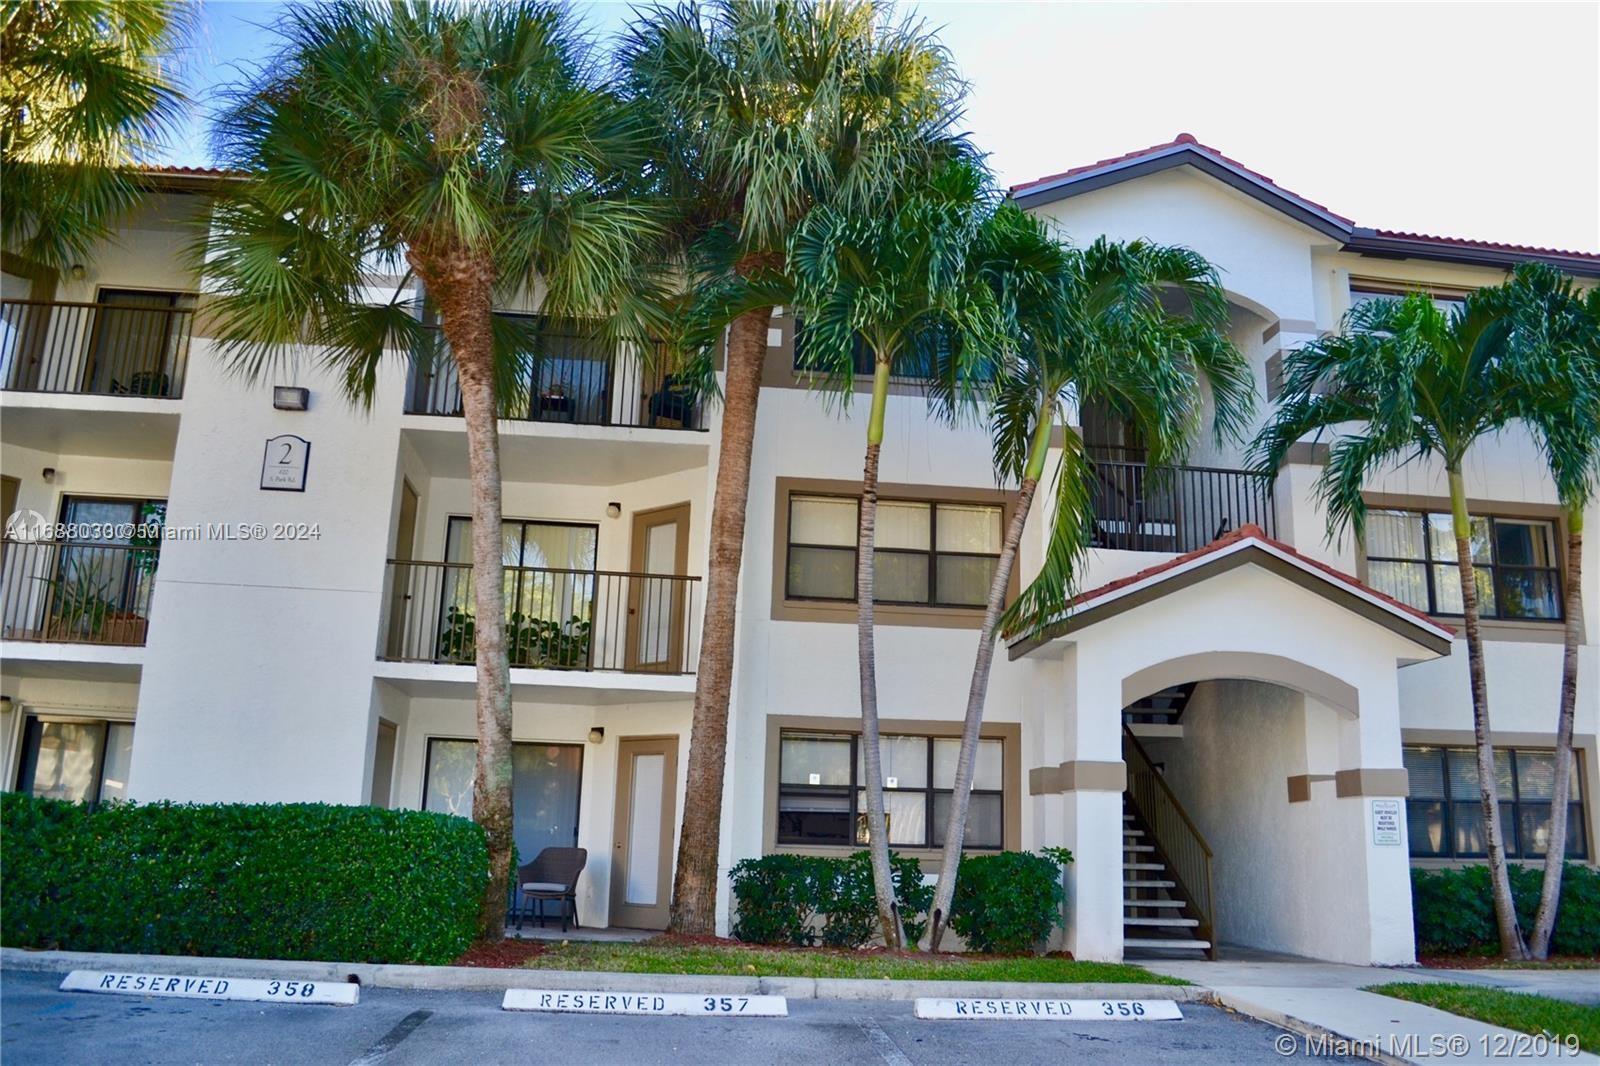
(694, 888)
(462, 286)
(1561, 789)
(871, 746)
(955, 829)
(1505, 913)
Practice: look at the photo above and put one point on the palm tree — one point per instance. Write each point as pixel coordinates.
(768, 108)
(1404, 379)
(86, 93)
(1556, 344)
(466, 146)
(1140, 327)
(897, 285)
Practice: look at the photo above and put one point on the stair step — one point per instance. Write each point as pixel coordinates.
(1168, 922)
(1138, 847)
(1166, 943)
(1126, 902)
(1149, 884)
(1133, 832)
(1144, 866)
(1127, 817)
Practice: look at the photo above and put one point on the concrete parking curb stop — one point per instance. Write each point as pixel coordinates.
(485, 979)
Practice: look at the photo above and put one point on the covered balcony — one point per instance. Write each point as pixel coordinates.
(1144, 508)
(130, 343)
(569, 378)
(556, 619)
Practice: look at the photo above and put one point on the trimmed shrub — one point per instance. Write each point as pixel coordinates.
(1007, 903)
(290, 881)
(808, 899)
(1454, 909)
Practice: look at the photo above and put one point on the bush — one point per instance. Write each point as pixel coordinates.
(1454, 909)
(1009, 902)
(290, 881)
(806, 899)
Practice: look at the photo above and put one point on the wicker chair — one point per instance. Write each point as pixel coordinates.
(553, 874)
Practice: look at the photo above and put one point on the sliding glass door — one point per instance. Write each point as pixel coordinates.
(545, 781)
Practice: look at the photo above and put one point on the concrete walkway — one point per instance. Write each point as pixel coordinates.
(1323, 999)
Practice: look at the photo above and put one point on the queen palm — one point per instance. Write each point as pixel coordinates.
(1555, 340)
(1405, 380)
(466, 146)
(767, 110)
(87, 92)
(1139, 327)
(893, 285)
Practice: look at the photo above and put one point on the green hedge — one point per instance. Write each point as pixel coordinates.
(1454, 909)
(290, 881)
(811, 899)
(1010, 901)
(1005, 902)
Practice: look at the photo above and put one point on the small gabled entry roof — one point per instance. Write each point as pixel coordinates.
(1248, 544)
(1186, 150)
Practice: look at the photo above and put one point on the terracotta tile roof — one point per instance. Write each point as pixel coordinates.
(1188, 140)
(1464, 242)
(1250, 531)
(1181, 139)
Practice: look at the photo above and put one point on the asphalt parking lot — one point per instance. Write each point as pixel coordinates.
(39, 1024)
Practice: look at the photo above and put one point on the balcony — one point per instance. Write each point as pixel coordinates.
(96, 349)
(1142, 508)
(576, 620)
(569, 379)
(72, 592)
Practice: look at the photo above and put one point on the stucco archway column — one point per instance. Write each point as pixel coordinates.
(1368, 811)
(1081, 800)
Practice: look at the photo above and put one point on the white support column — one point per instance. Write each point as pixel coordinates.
(1371, 775)
(1090, 780)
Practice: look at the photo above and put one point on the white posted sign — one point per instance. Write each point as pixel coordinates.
(1076, 1010)
(663, 1003)
(188, 986)
(1388, 823)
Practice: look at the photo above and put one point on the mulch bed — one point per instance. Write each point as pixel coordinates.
(504, 954)
(1484, 962)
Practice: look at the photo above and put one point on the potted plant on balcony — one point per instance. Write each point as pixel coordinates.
(78, 606)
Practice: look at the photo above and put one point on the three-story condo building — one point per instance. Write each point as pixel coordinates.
(1247, 733)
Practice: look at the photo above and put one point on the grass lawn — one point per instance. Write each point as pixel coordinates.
(657, 957)
(1521, 1011)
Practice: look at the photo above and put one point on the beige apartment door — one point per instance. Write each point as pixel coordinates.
(657, 606)
(401, 591)
(641, 870)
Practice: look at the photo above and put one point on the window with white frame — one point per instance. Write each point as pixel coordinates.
(1411, 555)
(1445, 812)
(928, 553)
(821, 799)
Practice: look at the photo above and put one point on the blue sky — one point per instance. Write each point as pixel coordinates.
(1468, 120)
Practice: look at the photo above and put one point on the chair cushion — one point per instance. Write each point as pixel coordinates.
(543, 886)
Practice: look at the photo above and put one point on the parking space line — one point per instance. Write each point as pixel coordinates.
(883, 1043)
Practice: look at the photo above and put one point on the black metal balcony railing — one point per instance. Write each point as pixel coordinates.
(94, 349)
(76, 592)
(569, 378)
(555, 619)
(1175, 509)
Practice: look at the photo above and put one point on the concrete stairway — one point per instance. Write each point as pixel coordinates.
(1156, 918)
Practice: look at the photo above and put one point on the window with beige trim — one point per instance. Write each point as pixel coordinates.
(1411, 555)
(821, 799)
(1445, 812)
(928, 553)
(1445, 300)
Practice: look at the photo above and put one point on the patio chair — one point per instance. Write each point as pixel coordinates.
(552, 875)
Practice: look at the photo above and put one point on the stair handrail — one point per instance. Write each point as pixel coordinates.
(1174, 834)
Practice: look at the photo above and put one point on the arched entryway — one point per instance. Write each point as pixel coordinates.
(1287, 747)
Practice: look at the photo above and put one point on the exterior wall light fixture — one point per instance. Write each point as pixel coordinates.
(290, 398)
(613, 509)
(597, 734)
